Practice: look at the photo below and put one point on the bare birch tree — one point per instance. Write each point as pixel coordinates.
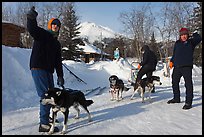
(138, 22)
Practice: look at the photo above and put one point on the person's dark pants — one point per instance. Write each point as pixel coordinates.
(144, 70)
(186, 72)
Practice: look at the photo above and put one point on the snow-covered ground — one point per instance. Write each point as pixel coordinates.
(20, 103)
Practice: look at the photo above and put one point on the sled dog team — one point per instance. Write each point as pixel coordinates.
(117, 87)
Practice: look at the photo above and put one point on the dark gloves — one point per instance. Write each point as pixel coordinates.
(32, 14)
(60, 81)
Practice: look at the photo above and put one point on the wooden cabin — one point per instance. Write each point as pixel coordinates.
(90, 52)
(87, 57)
(11, 34)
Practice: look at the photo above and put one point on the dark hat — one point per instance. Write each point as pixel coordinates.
(183, 31)
(56, 22)
(53, 21)
(145, 47)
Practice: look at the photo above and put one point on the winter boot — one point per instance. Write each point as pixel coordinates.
(187, 106)
(46, 128)
(174, 101)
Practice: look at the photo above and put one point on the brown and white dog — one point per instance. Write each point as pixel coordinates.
(116, 88)
(140, 87)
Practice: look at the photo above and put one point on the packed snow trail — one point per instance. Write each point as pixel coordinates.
(126, 117)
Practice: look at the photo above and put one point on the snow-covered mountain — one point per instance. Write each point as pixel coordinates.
(93, 32)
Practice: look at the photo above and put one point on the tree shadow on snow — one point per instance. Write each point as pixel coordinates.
(125, 109)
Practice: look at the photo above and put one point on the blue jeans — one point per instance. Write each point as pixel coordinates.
(43, 80)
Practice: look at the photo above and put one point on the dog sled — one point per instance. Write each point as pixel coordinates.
(133, 73)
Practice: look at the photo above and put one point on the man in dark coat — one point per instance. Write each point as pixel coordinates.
(45, 58)
(149, 62)
(182, 61)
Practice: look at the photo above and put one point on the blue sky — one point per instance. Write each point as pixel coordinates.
(107, 13)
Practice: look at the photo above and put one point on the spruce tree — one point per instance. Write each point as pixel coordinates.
(195, 23)
(153, 45)
(69, 36)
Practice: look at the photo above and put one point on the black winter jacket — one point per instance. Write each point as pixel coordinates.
(46, 52)
(149, 59)
(183, 51)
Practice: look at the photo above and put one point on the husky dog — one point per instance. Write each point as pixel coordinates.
(116, 87)
(62, 100)
(140, 86)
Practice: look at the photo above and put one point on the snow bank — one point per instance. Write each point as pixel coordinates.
(17, 85)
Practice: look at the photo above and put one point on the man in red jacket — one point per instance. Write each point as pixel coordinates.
(182, 61)
(45, 58)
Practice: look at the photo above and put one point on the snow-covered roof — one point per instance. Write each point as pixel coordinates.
(90, 48)
(9, 22)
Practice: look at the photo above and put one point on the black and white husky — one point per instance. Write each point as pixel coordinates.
(140, 87)
(62, 100)
(116, 88)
